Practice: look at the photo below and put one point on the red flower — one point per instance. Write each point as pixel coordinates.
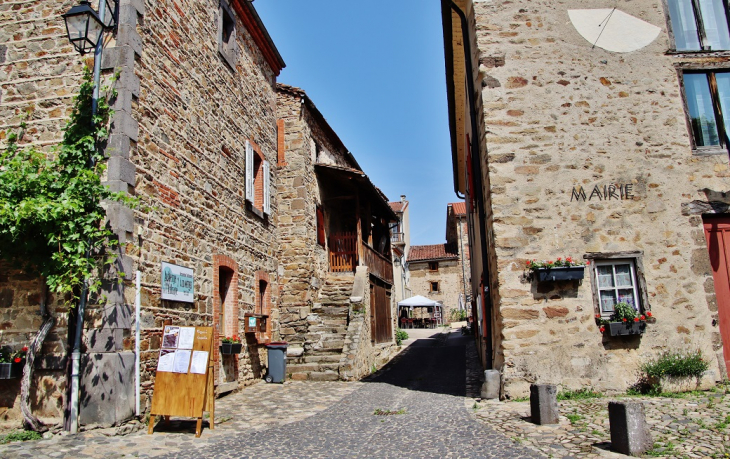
(643, 317)
(603, 329)
(527, 263)
(624, 319)
(17, 360)
(25, 349)
(636, 319)
(588, 262)
(560, 258)
(648, 313)
(598, 316)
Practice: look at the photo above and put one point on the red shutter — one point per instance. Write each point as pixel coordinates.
(320, 227)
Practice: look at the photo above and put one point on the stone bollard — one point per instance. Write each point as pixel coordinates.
(491, 386)
(629, 430)
(544, 404)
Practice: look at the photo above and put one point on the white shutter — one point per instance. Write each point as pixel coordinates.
(267, 189)
(249, 173)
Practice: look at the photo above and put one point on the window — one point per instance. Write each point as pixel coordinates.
(615, 282)
(320, 227)
(434, 287)
(258, 180)
(227, 34)
(433, 266)
(699, 25)
(708, 97)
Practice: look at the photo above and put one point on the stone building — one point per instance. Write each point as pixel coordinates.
(440, 271)
(194, 136)
(400, 237)
(594, 134)
(335, 269)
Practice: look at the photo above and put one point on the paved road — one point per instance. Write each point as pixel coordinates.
(426, 383)
(304, 419)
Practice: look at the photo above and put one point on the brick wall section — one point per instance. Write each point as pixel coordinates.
(564, 115)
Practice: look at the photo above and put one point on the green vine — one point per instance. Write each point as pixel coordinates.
(51, 210)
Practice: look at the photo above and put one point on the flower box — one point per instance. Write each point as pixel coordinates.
(9, 370)
(626, 328)
(559, 274)
(231, 348)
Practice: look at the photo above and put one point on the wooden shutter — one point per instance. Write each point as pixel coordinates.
(267, 188)
(250, 193)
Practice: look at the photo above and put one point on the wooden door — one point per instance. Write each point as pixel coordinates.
(717, 234)
(382, 331)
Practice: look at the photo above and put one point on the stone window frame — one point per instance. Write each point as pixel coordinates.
(227, 26)
(431, 285)
(707, 68)
(636, 256)
(700, 29)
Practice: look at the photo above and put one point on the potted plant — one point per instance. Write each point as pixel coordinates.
(625, 320)
(11, 362)
(231, 345)
(561, 269)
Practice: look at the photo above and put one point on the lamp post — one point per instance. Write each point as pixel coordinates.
(85, 29)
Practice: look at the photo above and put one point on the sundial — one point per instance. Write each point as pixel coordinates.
(612, 29)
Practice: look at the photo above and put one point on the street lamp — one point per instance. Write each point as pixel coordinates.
(83, 27)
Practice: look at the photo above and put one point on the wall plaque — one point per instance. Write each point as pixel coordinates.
(177, 283)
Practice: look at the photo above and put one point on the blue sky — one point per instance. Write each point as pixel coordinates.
(376, 72)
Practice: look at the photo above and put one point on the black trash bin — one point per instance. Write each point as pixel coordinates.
(277, 362)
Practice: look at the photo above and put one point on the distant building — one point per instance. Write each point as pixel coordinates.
(440, 271)
(400, 237)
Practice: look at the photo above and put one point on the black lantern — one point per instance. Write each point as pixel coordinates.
(83, 26)
(111, 14)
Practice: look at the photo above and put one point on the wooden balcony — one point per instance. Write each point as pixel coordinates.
(378, 265)
(397, 238)
(343, 252)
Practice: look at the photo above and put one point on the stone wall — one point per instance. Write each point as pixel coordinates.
(303, 261)
(195, 114)
(182, 118)
(562, 114)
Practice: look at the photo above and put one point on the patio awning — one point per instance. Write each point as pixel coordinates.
(418, 300)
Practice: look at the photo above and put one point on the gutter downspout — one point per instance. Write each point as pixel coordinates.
(476, 167)
(463, 269)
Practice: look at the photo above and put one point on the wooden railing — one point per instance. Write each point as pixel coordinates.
(377, 264)
(343, 252)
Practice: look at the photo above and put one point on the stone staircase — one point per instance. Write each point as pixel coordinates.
(327, 328)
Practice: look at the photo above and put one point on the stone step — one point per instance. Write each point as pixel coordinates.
(329, 329)
(310, 367)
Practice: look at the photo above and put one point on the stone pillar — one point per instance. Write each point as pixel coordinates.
(544, 404)
(629, 430)
(108, 367)
(491, 386)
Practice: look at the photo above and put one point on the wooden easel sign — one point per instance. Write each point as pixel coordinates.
(184, 379)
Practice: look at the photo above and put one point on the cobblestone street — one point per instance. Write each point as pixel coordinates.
(420, 398)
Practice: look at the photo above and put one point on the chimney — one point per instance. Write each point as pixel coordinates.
(402, 198)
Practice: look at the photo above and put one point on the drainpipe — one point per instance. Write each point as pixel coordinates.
(476, 167)
(463, 269)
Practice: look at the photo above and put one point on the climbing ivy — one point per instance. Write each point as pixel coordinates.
(51, 210)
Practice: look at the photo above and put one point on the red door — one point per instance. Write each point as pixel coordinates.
(717, 233)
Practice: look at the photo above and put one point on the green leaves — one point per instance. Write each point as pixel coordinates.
(50, 207)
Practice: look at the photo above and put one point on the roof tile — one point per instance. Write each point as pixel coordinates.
(432, 252)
